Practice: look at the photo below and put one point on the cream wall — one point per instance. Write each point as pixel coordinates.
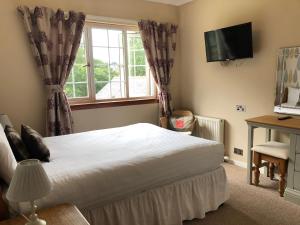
(21, 88)
(213, 90)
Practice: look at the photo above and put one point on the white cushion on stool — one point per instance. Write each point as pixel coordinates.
(273, 148)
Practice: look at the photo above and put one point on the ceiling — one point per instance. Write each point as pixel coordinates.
(171, 2)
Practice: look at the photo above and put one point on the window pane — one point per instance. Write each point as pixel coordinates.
(114, 71)
(153, 86)
(77, 81)
(131, 57)
(100, 56)
(117, 88)
(138, 86)
(140, 57)
(140, 71)
(121, 56)
(122, 73)
(113, 89)
(115, 38)
(80, 73)
(139, 78)
(81, 57)
(114, 55)
(109, 64)
(134, 40)
(81, 90)
(100, 85)
(131, 70)
(102, 90)
(109, 69)
(70, 78)
(101, 73)
(99, 37)
(69, 90)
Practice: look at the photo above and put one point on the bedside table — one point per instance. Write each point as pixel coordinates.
(65, 214)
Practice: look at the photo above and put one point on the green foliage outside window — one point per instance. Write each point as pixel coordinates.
(101, 73)
(104, 73)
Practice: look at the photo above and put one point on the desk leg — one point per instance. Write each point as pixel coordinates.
(268, 138)
(249, 160)
(291, 163)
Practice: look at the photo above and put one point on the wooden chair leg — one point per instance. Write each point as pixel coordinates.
(257, 162)
(271, 170)
(282, 182)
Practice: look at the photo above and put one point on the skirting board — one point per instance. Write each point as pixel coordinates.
(292, 195)
(235, 162)
(244, 165)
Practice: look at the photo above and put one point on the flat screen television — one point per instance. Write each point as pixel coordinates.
(229, 43)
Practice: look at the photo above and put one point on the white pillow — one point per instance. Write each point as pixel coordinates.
(293, 95)
(8, 162)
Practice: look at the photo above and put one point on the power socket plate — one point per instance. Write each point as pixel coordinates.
(240, 108)
(238, 151)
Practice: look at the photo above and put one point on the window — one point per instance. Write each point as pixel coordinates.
(110, 65)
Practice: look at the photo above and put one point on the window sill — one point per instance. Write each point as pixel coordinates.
(94, 105)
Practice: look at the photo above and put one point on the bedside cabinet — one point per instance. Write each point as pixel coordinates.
(65, 214)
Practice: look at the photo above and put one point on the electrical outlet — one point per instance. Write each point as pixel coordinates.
(238, 151)
(240, 108)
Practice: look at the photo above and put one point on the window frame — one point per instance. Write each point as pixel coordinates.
(90, 101)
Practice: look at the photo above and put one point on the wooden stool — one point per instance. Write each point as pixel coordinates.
(276, 154)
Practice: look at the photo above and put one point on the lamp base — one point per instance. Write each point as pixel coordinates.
(33, 219)
(37, 222)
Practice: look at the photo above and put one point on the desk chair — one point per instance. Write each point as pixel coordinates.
(276, 154)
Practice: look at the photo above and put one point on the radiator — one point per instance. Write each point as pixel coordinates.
(210, 128)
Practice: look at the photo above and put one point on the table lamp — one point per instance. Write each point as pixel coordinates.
(29, 183)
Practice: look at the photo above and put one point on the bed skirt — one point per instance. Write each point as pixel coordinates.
(167, 205)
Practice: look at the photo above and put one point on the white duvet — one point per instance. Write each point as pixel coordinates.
(97, 167)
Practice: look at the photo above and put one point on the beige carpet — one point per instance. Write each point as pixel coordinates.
(250, 205)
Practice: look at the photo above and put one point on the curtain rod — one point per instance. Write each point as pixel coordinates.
(103, 19)
(111, 20)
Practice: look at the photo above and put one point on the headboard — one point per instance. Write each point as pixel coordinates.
(3, 206)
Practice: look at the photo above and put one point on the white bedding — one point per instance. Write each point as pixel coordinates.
(97, 167)
(288, 105)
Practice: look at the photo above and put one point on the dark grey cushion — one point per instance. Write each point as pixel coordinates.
(17, 145)
(35, 144)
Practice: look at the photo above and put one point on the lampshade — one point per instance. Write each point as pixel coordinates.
(4, 120)
(30, 182)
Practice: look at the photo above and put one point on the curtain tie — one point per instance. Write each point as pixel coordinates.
(163, 90)
(54, 88)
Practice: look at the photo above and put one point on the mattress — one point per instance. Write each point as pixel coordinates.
(98, 167)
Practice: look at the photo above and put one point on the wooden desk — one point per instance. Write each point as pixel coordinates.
(60, 215)
(291, 126)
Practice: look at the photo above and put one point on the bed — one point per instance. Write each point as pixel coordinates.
(139, 175)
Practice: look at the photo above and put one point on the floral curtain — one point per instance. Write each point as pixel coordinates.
(159, 41)
(54, 38)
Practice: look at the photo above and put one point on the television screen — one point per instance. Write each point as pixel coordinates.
(229, 43)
